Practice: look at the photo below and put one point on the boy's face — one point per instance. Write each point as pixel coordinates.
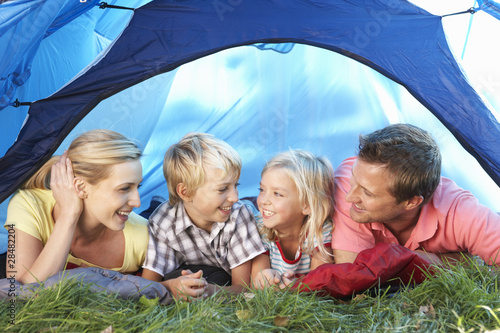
(212, 202)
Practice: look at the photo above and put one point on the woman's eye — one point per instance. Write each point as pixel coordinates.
(125, 189)
(223, 189)
(260, 189)
(277, 194)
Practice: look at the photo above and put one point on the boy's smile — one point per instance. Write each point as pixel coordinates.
(212, 202)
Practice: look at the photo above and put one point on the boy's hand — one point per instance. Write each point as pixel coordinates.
(189, 285)
(267, 277)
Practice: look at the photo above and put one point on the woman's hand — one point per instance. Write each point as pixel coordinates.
(63, 189)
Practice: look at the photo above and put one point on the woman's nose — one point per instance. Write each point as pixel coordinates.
(135, 199)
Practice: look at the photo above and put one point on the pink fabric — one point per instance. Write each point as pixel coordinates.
(384, 263)
(453, 221)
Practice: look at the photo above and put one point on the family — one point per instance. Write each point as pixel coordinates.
(77, 211)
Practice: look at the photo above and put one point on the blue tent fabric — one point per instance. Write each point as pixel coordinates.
(398, 39)
(490, 7)
(45, 18)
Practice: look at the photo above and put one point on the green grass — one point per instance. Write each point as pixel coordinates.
(459, 299)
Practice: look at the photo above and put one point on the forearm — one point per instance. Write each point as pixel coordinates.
(153, 276)
(51, 259)
(259, 263)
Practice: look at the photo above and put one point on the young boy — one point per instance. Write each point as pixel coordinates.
(202, 226)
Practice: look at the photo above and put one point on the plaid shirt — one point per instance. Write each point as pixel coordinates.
(174, 240)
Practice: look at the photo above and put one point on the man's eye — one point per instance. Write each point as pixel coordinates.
(278, 194)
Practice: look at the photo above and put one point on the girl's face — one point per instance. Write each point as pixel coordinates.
(279, 203)
(110, 201)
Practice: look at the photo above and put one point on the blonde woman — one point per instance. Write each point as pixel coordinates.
(77, 209)
(295, 204)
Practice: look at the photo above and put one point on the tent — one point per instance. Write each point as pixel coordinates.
(264, 75)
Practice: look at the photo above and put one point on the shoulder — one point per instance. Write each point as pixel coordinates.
(136, 221)
(31, 202)
(33, 196)
(243, 212)
(136, 227)
(240, 207)
(448, 194)
(327, 226)
(31, 211)
(165, 212)
(250, 204)
(344, 169)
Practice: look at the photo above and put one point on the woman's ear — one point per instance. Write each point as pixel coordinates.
(81, 187)
(182, 192)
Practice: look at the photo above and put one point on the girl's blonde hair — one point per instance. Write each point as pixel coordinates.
(313, 177)
(92, 154)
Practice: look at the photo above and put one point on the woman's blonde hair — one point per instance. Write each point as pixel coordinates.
(92, 155)
(313, 177)
(185, 162)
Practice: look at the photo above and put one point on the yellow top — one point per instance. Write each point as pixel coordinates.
(31, 212)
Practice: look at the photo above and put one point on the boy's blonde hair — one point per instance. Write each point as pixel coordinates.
(92, 155)
(186, 160)
(313, 177)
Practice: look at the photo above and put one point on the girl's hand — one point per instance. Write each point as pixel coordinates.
(267, 277)
(63, 187)
(287, 279)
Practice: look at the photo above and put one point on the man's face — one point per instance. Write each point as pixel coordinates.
(369, 194)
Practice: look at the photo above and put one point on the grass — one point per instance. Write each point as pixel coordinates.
(459, 299)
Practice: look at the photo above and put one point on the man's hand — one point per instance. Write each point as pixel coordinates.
(430, 257)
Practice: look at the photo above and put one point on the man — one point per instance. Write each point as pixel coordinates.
(393, 192)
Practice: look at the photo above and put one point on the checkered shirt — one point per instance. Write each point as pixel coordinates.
(174, 240)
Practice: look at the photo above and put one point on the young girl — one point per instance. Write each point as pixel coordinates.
(295, 205)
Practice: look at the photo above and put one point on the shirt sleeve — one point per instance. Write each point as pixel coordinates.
(160, 258)
(30, 214)
(476, 228)
(245, 244)
(348, 235)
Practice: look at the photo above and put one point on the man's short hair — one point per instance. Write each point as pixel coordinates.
(185, 162)
(409, 154)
